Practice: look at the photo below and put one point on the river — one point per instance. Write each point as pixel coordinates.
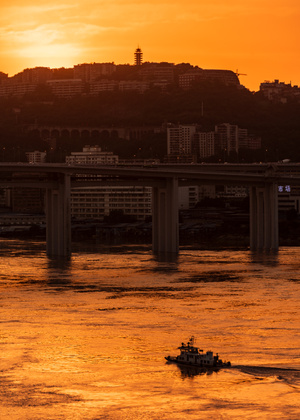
(85, 337)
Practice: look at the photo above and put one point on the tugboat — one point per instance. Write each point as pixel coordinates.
(193, 356)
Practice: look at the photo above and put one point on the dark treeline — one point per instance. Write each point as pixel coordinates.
(207, 104)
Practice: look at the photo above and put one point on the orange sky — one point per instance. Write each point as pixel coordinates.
(257, 37)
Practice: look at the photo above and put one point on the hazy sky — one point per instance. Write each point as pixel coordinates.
(257, 37)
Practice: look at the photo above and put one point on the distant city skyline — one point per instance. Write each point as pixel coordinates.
(258, 39)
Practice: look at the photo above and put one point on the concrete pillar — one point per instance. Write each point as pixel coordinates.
(271, 216)
(58, 218)
(253, 218)
(264, 217)
(165, 227)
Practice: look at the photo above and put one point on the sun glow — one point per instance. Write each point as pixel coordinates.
(222, 35)
(51, 52)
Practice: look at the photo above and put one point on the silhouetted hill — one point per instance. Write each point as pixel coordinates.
(206, 104)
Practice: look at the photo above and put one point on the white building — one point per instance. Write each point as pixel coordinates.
(66, 88)
(103, 85)
(97, 202)
(11, 88)
(233, 191)
(92, 155)
(133, 85)
(36, 157)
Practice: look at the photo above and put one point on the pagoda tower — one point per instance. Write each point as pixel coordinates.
(138, 57)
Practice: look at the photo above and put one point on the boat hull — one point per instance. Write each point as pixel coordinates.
(218, 364)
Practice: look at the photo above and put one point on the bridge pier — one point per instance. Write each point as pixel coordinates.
(264, 217)
(58, 217)
(165, 226)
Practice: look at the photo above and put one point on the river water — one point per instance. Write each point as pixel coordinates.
(85, 338)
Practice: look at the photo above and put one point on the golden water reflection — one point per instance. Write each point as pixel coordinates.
(86, 339)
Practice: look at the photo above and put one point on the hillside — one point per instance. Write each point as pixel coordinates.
(207, 104)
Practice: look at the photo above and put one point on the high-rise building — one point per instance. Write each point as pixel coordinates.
(180, 139)
(227, 137)
(204, 144)
(186, 143)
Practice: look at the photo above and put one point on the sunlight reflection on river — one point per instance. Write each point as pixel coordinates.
(85, 338)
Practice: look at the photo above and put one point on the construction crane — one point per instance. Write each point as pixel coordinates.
(240, 74)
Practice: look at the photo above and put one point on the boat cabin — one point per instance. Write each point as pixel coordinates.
(191, 354)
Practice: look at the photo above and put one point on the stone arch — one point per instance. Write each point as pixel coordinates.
(65, 133)
(104, 135)
(95, 134)
(75, 133)
(114, 134)
(55, 133)
(85, 134)
(35, 133)
(45, 134)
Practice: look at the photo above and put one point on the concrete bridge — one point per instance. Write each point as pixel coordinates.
(90, 133)
(58, 179)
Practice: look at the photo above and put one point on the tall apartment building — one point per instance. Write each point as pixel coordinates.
(228, 137)
(232, 138)
(243, 138)
(204, 144)
(186, 143)
(179, 139)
